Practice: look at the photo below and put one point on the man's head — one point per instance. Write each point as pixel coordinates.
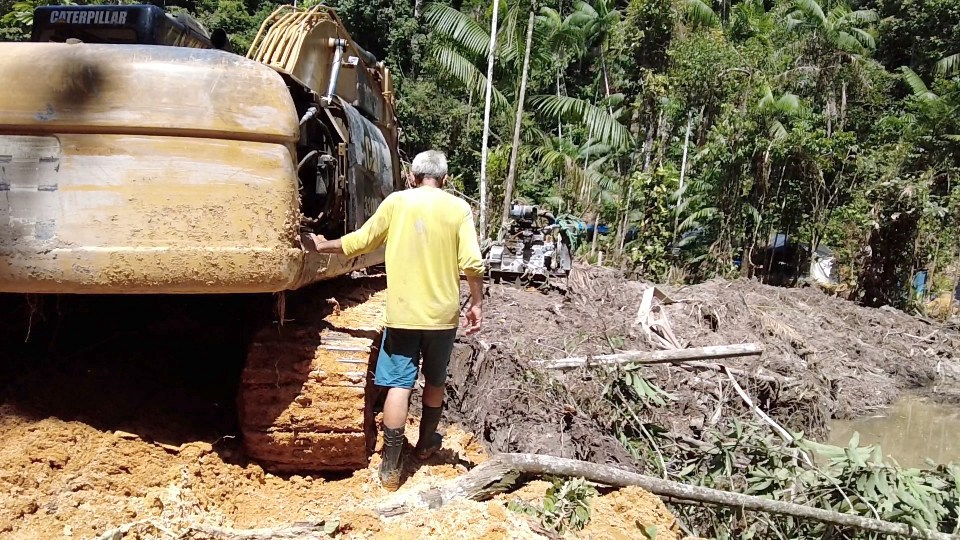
(429, 166)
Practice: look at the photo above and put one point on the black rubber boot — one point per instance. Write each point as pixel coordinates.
(430, 441)
(391, 456)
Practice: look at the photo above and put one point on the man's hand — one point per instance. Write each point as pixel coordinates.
(320, 244)
(473, 319)
(311, 241)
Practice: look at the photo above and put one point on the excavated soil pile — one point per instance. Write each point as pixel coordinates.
(823, 357)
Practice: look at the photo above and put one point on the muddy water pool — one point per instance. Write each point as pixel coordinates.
(910, 431)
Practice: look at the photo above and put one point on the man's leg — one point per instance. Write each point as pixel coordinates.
(397, 370)
(395, 407)
(437, 345)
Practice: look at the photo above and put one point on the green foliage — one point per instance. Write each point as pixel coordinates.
(747, 457)
(653, 216)
(566, 505)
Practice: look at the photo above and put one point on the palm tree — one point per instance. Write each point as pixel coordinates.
(598, 22)
(839, 36)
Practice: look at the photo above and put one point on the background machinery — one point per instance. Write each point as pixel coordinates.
(139, 156)
(536, 247)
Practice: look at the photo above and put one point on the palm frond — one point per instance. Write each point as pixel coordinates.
(460, 27)
(600, 125)
(863, 17)
(848, 42)
(466, 73)
(511, 38)
(700, 12)
(777, 131)
(865, 38)
(789, 103)
(698, 218)
(812, 9)
(949, 65)
(917, 85)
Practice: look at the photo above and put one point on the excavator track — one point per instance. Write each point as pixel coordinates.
(305, 401)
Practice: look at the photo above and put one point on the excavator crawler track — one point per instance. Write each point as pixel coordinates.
(306, 393)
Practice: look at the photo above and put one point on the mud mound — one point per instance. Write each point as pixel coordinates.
(855, 359)
(827, 357)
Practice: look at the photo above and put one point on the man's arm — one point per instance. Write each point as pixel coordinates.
(364, 240)
(474, 315)
(470, 261)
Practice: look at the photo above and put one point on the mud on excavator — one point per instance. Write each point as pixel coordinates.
(138, 156)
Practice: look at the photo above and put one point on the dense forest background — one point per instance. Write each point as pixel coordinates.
(690, 131)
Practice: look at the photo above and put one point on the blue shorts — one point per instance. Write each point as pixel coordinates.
(400, 353)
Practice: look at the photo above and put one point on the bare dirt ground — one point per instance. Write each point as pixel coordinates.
(123, 411)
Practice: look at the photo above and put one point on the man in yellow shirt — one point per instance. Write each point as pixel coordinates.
(429, 238)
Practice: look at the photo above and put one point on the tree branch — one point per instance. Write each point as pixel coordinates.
(504, 470)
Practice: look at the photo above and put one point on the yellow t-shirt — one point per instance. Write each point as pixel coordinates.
(430, 237)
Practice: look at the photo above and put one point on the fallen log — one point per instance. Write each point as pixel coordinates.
(292, 531)
(504, 470)
(653, 357)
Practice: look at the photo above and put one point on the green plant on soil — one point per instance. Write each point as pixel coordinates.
(566, 505)
(741, 454)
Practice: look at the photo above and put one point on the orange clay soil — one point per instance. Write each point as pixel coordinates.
(66, 479)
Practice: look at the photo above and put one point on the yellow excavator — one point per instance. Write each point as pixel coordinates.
(139, 155)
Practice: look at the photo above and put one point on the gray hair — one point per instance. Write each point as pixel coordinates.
(429, 164)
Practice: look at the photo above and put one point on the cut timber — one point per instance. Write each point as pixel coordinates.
(654, 357)
(304, 403)
(504, 470)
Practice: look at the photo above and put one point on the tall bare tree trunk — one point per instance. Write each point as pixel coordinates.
(843, 107)
(559, 119)
(596, 222)
(512, 171)
(683, 171)
(486, 122)
(625, 222)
